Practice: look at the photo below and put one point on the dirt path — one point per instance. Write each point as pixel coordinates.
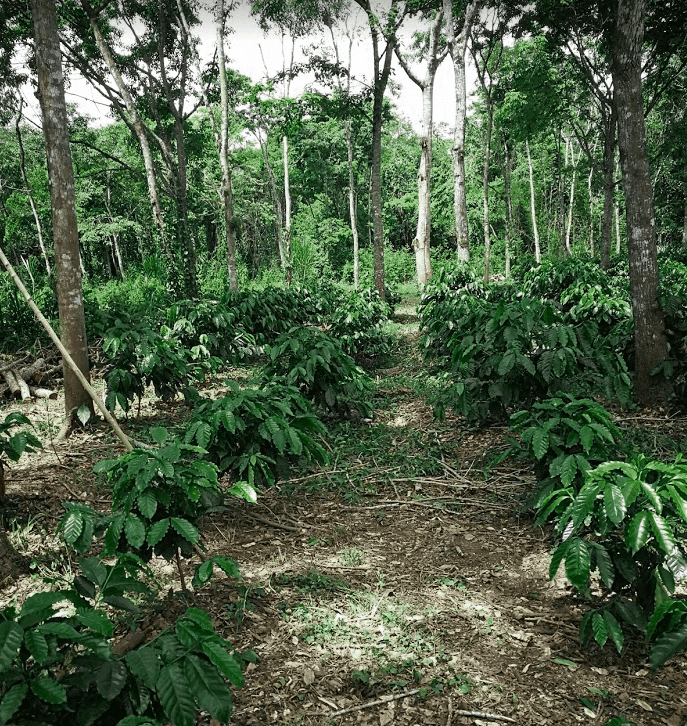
(399, 568)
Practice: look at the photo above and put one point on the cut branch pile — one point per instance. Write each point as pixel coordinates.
(27, 382)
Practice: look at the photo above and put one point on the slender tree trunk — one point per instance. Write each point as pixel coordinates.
(287, 211)
(507, 169)
(115, 236)
(533, 210)
(353, 206)
(590, 196)
(618, 241)
(650, 336)
(227, 195)
(485, 192)
(571, 201)
(139, 128)
(64, 224)
(29, 193)
(684, 223)
(610, 123)
(458, 46)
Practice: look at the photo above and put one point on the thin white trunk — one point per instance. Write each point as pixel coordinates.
(287, 210)
(617, 227)
(591, 210)
(457, 46)
(535, 231)
(571, 200)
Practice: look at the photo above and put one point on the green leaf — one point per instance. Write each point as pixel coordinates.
(147, 503)
(145, 664)
(203, 434)
(583, 505)
(540, 443)
(229, 566)
(159, 434)
(244, 490)
(638, 532)
(201, 618)
(185, 529)
(49, 690)
(668, 645)
(599, 629)
(110, 678)
(11, 635)
(157, 531)
(659, 613)
(83, 413)
(568, 470)
(112, 535)
(630, 612)
(225, 662)
(175, 695)
(653, 496)
(38, 603)
(614, 630)
(586, 438)
(679, 501)
(37, 645)
(662, 532)
(72, 526)
(12, 700)
(604, 564)
(202, 574)
(614, 503)
(64, 631)
(577, 564)
(209, 688)
(557, 558)
(135, 531)
(97, 622)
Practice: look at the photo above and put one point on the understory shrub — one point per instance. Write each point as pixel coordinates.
(566, 437)
(627, 524)
(506, 353)
(13, 445)
(317, 366)
(258, 434)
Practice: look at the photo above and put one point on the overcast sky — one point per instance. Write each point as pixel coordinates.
(248, 45)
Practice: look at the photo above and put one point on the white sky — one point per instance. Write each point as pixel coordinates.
(243, 49)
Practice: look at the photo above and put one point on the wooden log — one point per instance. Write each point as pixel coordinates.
(29, 372)
(43, 393)
(12, 383)
(43, 376)
(23, 387)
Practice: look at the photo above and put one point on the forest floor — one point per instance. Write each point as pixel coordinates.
(404, 583)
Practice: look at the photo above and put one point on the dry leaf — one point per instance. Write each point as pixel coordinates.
(308, 676)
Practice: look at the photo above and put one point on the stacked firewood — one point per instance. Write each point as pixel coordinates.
(26, 382)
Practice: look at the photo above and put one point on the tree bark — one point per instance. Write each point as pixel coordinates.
(533, 210)
(458, 46)
(650, 336)
(61, 176)
(507, 169)
(287, 211)
(485, 191)
(571, 201)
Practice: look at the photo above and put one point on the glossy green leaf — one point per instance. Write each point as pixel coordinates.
(668, 645)
(662, 532)
(614, 503)
(185, 529)
(577, 563)
(175, 695)
(209, 688)
(157, 531)
(147, 503)
(145, 663)
(37, 645)
(12, 700)
(540, 443)
(159, 434)
(225, 662)
(135, 531)
(614, 630)
(110, 679)
(11, 636)
(49, 690)
(638, 532)
(599, 629)
(604, 564)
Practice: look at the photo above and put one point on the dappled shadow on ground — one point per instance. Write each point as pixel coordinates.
(399, 585)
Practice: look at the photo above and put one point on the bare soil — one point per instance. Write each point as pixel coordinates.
(399, 569)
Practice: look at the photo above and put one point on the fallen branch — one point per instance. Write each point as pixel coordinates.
(397, 696)
(65, 354)
(277, 525)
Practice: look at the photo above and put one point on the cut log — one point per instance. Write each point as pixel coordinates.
(23, 387)
(12, 383)
(43, 393)
(43, 376)
(29, 372)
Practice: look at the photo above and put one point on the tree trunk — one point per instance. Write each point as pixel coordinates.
(139, 128)
(650, 336)
(457, 46)
(485, 191)
(590, 197)
(684, 223)
(61, 176)
(507, 164)
(535, 231)
(571, 201)
(287, 212)
(353, 206)
(276, 202)
(610, 123)
(227, 195)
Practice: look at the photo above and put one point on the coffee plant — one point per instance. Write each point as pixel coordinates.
(566, 437)
(58, 667)
(258, 434)
(13, 445)
(627, 523)
(315, 364)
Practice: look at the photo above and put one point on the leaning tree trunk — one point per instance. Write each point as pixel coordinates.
(650, 335)
(458, 45)
(61, 176)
